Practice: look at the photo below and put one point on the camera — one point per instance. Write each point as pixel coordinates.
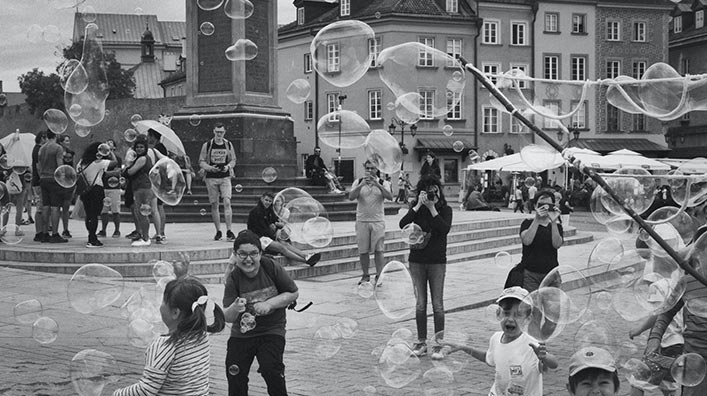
(550, 207)
(431, 195)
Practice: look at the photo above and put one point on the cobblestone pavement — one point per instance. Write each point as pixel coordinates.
(30, 368)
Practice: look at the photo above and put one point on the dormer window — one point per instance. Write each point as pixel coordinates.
(300, 16)
(345, 7)
(677, 24)
(453, 6)
(699, 19)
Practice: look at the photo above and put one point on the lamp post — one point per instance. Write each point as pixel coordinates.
(394, 123)
(338, 148)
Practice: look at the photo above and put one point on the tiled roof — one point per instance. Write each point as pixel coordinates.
(148, 76)
(441, 143)
(639, 145)
(128, 28)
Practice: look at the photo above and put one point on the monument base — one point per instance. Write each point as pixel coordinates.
(262, 136)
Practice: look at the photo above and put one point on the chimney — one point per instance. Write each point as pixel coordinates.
(1, 86)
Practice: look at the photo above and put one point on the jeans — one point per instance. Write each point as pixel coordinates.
(93, 204)
(269, 350)
(421, 275)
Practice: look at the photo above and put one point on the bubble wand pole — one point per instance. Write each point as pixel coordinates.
(590, 172)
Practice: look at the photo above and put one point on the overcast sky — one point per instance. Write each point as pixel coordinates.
(18, 55)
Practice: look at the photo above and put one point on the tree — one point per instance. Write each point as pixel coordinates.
(42, 91)
(120, 81)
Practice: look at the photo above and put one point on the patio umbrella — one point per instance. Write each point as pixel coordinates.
(19, 148)
(169, 137)
(513, 163)
(626, 158)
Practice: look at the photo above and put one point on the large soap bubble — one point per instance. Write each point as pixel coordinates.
(168, 182)
(406, 67)
(45, 330)
(301, 225)
(397, 299)
(56, 120)
(65, 176)
(688, 369)
(298, 91)
(343, 129)
(634, 188)
(383, 150)
(94, 286)
(242, 49)
(398, 366)
(317, 232)
(541, 311)
(340, 52)
(593, 333)
(575, 296)
(28, 311)
(408, 107)
(238, 9)
(539, 158)
(692, 188)
(92, 370)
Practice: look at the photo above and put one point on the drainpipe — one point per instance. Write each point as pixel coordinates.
(532, 52)
(479, 25)
(313, 32)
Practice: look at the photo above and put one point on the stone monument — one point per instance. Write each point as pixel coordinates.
(240, 94)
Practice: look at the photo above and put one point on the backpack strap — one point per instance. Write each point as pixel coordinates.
(208, 147)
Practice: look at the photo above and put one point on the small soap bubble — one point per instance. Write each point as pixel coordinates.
(81, 131)
(447, 130)
(209, 5)
(104, 150)
(638, 374)
(45, 330)
(75, 110)
(347, 327)
(438, 381)
(194, 120)
(140, 332)
(233, 370)
(243, 49)
(503, 260)
(412, 234)
(238, 188)
(238, 9)
(458, 146)
(56, 120)
(196, 202)
(11, 234)
(88, 14)
(34, 33)
(145, 209)
(327, 342)
(298, 91)
(603, 300)
(138, 11)
(65, 176)
(269, 175)
(27, 312)
(492, 313)
(383, 151)
(113, 182)
(207, 28)
(51, 34)
(202, 212)
(134, 119)
(130, 135)
(390, 106)
(365, 289)
(398, 366)
(369, 389)
(317, 232)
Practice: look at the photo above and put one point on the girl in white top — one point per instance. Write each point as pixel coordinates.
(94, 162)
(178, 363)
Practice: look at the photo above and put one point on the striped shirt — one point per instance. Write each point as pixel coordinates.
(170, 369)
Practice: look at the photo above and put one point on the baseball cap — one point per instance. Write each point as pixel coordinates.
(516, 292)
(592, 357)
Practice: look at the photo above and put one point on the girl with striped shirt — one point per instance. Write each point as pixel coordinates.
(178, 363)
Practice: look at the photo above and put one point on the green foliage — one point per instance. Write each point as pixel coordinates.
(42, 91)
(120, 81)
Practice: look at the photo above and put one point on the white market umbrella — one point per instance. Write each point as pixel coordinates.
(626, 158)
(514, 163)
(19, 148)
(169, 138)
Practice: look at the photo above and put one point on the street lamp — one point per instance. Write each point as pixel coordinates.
(394, 123)
(338, 149)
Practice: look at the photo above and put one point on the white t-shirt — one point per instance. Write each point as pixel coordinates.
(517, 372)
(370, 202)
(531, 192)
(93, 169)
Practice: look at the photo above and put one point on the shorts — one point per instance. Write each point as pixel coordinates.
(53, 195)
(114, 207)
(370, 236)
(218, 186)
(265, 242)
(143, 196)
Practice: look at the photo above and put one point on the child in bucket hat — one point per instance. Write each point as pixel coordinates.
(593, 371)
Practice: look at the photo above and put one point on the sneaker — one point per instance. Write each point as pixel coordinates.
(101, 233)
(26, 222)
(38, 237)
(437, 353)
(66, 234)
(94, 244)
(136, 237)
(313, 259)
(141, 243)
(364, 278)
(218, 236)
(56, 238)
(160, 240)
(45, 237)
(377, 282)
(132, 234)
(30, 220)
(116, 234)
(419, 349)
(229, 236)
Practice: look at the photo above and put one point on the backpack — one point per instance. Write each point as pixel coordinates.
(208, 154)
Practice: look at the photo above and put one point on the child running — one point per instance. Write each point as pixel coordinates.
(178, 363)
(593, 372)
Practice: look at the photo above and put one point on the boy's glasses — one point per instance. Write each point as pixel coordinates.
(243, 255)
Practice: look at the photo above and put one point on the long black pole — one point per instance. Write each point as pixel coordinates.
(586, 170)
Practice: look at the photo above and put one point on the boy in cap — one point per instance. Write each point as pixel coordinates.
(518, 358)
(593, 372)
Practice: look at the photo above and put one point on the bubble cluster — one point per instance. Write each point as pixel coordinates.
(94, 286)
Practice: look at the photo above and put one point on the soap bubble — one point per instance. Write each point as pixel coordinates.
(401, 336)
(92, 370)
(349, 40)
(194, 120)
(529, 181)
(669, 234)
(346, 327)
(81, 131)
(28, 311)
(438, 381)
(369, 390)
(447, 130)
(88, 14)
(45, 330)
(638, 374)
(539, 309)
(168, 182)
(492, 313)
(408, 107)
(130, 135)
(202, 212)
(134, 119)
(317, 232)
(503, 260)
(343, 129)
(206, 28)
(298, 91)
(238, 188)
(75, 110)
(298, 212)
(383, 150)
(145, 209)
(539, 158)
(113, 182)
(233, 370)
(605, 252)
(65, 176)
(692, 189)
(51, 34)
(577, 293)
(163, 269)
(56, 120)
(243, 49)
(209, 5)
(34, 33)
(458, 146)
(603, 300)
(94, 286)
(634, 192)
(688, 369)
(447, 339)
(269, 175)
(78, 83)
(138, 11)
(11, 234)
(104, 149)
(365, 289)
(593, 333)
(247, 322)
(474, 156)
(412, 234)
(397, 299)
(398, 366)
(677, 218)
(238, 9)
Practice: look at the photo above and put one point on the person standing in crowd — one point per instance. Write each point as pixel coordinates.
(39, 225)
(93, 165)
(160, 218)
(532, 191)
(370, 192)
(541, 236)
(17, 189)
(184, 163)
(518, 196)
(428, 258)
(256, 286)
(314, 168)
(50, 157)
(403, 182)
(142, 190)
(69, 154)
(111, 187)
(263, 221)
(217, 158)
(430, 166)
(565, 208)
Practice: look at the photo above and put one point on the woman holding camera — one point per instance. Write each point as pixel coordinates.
(541, 237)
(428, 258)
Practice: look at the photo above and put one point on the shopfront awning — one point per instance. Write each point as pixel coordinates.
(642, 146)
(443, 145)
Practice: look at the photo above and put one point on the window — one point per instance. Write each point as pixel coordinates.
(427, 103)
(685, 66)
(550, 107)
(579, 119)
(332, 58)
(579, 23)
(492, 70)
(551, 22)
(685, 117)
(639, 122)
(300, 16)
(451, 170)
(332, 104)
(490, 120)
(453, 6)
(375, 105)
(579, 68)
(454, 49)
(308, 110)
(699, 19)
(639, 31)
(517, 126)
(524, 68)
(374, 49)
(613, 30)
(639, 67)
(677, 24)
(613, 68)
(612, 118)
(551, 67)
(345, 7)
(491, 32)
(518, 33)
(454, 104)
(307, 63)
(424, 57)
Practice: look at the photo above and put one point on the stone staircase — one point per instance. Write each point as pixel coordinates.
(467, 241)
